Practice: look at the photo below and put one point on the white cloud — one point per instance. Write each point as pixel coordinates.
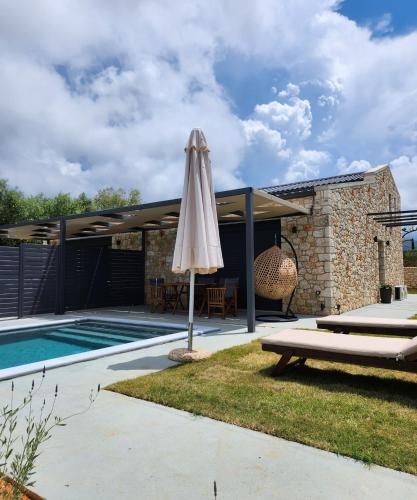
(93, 95)
(257, 132)
(404, 169)
(291, 90)
(306, 164)
(383, 25)
(97, 93)
(355, 166)
(292, 119)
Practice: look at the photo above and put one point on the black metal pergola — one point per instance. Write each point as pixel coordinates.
(245, 205)
(398, 218)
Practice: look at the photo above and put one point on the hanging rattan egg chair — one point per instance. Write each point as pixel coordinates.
(276, 278)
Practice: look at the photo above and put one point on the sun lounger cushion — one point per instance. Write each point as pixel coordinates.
(367, 322)
(411, 348)
(381, 347)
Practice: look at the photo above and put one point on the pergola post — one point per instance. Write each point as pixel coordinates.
(60, 270)
(250, 257)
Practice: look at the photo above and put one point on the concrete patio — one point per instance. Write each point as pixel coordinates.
(127, 448)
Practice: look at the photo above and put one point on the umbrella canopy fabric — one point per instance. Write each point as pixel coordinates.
(197, 245)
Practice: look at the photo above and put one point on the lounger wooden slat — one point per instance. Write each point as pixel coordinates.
(388, 353)
(360, 324)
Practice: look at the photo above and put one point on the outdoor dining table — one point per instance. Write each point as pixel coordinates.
(182, 288)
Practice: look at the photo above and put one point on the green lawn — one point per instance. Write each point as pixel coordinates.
(412, 290)
(365, 413)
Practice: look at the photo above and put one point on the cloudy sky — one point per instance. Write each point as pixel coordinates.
(100, 93)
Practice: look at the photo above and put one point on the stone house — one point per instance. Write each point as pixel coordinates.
(107, 257)
(343, 254)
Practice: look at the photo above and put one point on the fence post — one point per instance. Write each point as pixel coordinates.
(60, 270)
(21, 285)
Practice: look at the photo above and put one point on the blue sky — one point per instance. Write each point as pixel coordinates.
(99, 93)
(401, 13)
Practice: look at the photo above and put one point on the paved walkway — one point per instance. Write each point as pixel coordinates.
(130, 449)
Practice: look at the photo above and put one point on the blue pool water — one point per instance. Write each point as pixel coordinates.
(48, 342)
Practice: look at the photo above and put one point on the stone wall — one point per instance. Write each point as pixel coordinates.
(339, 259)
(312, 245)
(127, 241)
(410, 276)
(159, 247)
(361, 264)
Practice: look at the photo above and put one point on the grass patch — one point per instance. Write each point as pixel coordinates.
(412, 290)
(413, 317)
(364, 413)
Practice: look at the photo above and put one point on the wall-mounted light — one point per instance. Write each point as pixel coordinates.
(376, 239)
(294, 230)
(387, 243)
(318, 292)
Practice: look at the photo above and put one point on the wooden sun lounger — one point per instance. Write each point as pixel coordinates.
(360, 324)
(379, 352)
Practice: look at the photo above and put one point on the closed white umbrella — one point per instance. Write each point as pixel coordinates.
(197, 246)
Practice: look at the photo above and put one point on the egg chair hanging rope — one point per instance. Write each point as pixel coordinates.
(275, 286)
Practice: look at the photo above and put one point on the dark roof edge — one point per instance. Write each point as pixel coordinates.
(306, 188)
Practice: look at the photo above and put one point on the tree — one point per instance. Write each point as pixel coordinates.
(114, 198)
(16, 207)
(11, 204)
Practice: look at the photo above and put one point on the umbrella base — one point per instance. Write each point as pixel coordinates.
(183, 355)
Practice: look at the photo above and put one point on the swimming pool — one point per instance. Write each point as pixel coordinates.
(28, 349)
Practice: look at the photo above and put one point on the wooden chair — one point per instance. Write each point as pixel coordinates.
(171, 298)
(231, 285)
(157, 294)
(223, 299)
(216, 302)
(200, 298)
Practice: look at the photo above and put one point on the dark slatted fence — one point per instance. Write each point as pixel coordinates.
(9, 281)
(95, 276)
(127, 277)
(98, 276)
(39, 279)
(86, 284)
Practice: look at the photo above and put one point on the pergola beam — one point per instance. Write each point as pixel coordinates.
(396, 218)
(399, 224)
(394, 212)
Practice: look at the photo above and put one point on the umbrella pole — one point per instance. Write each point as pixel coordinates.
(191, 310)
